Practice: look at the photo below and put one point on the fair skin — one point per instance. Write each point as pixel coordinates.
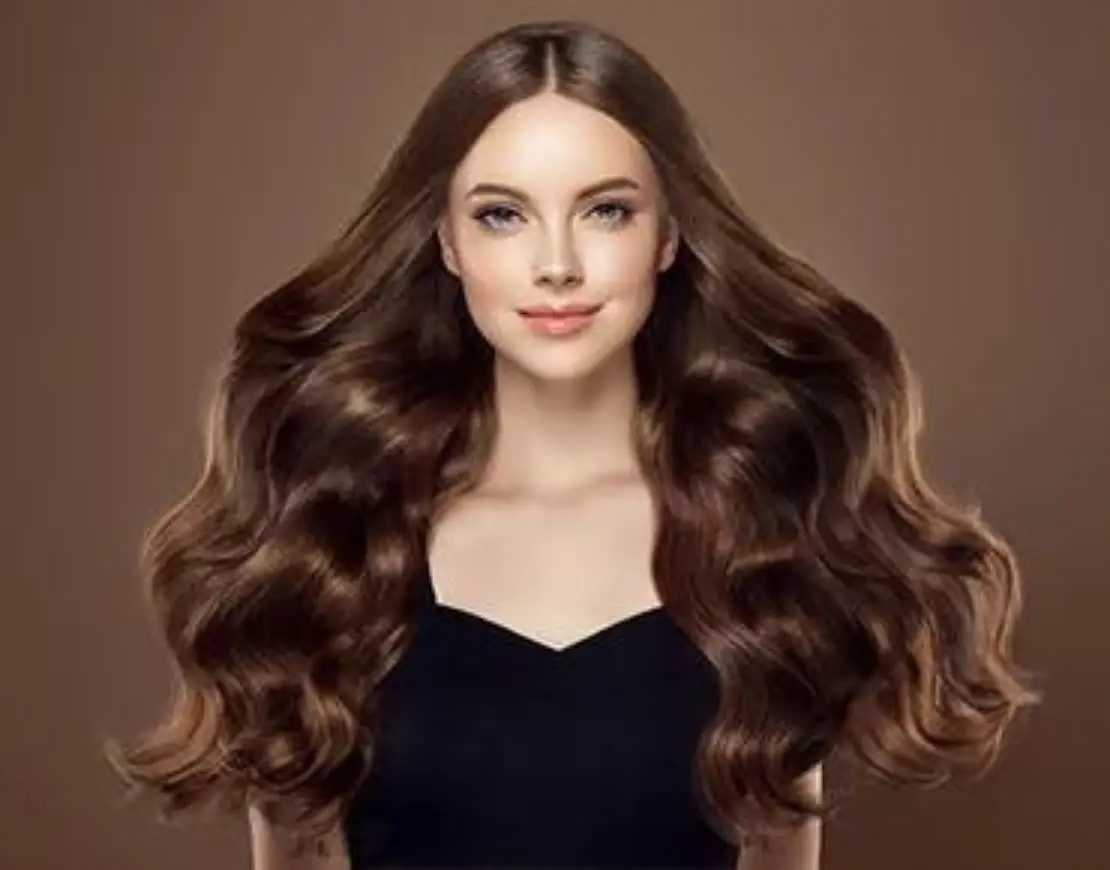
(529, 224)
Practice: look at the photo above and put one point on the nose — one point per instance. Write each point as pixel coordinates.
(557, 265)
(558, 276)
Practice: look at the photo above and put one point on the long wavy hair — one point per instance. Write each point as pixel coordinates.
(844, 603)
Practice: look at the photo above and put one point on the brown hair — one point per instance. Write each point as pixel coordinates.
(843, 602)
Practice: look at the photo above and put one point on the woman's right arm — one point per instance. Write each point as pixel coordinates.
(271, 851)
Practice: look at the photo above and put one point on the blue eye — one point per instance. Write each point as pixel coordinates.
(493, 216)
(611, 213)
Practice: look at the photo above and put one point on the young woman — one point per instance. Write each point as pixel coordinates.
(555, 516)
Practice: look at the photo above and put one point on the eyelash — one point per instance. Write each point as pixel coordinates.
(624, 209)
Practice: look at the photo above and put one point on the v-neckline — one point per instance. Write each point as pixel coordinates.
(593, 638)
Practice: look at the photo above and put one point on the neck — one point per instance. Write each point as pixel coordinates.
(556, 437)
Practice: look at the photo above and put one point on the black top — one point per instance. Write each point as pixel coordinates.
(496, 750)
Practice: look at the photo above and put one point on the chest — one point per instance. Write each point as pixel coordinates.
(553, 574)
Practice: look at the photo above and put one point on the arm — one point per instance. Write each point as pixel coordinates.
(270, 850)
(798, 849)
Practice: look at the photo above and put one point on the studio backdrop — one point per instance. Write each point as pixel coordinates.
(164, 164)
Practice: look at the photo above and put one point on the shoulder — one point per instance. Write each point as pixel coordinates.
(274, 849)
(796, 849)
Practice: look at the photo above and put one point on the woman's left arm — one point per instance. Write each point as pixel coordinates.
(798, 849)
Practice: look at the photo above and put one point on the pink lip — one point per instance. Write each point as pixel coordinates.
(580, 310)
(566, 320)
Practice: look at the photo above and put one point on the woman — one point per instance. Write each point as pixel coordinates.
(556, 516)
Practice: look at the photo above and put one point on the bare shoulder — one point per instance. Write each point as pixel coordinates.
(271, 849)
(798, 849)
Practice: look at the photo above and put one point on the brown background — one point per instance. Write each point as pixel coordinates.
(164, 163)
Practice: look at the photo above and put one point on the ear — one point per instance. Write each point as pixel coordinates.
(447, 247)
(669, 249)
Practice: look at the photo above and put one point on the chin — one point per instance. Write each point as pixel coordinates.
(561, 365)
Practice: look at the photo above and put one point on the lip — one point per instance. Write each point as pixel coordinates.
(555, 312)
(554, 320)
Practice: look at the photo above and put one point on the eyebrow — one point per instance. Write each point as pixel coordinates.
(603, 186)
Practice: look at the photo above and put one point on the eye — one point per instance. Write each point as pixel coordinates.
(495, 217)
(613, 212)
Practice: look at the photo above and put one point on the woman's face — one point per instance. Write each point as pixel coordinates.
(556, 228)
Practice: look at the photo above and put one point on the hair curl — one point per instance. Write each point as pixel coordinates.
(843, 602)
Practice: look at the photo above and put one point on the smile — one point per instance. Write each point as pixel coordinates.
(565, 320)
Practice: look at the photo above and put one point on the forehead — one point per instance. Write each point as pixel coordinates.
(551, 144)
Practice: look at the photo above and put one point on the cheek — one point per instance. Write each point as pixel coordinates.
(616, 262)
(493, 272)
(622, 272)
(494, 278)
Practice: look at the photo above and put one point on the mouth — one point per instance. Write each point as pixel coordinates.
(553, 311)
(559, 320)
